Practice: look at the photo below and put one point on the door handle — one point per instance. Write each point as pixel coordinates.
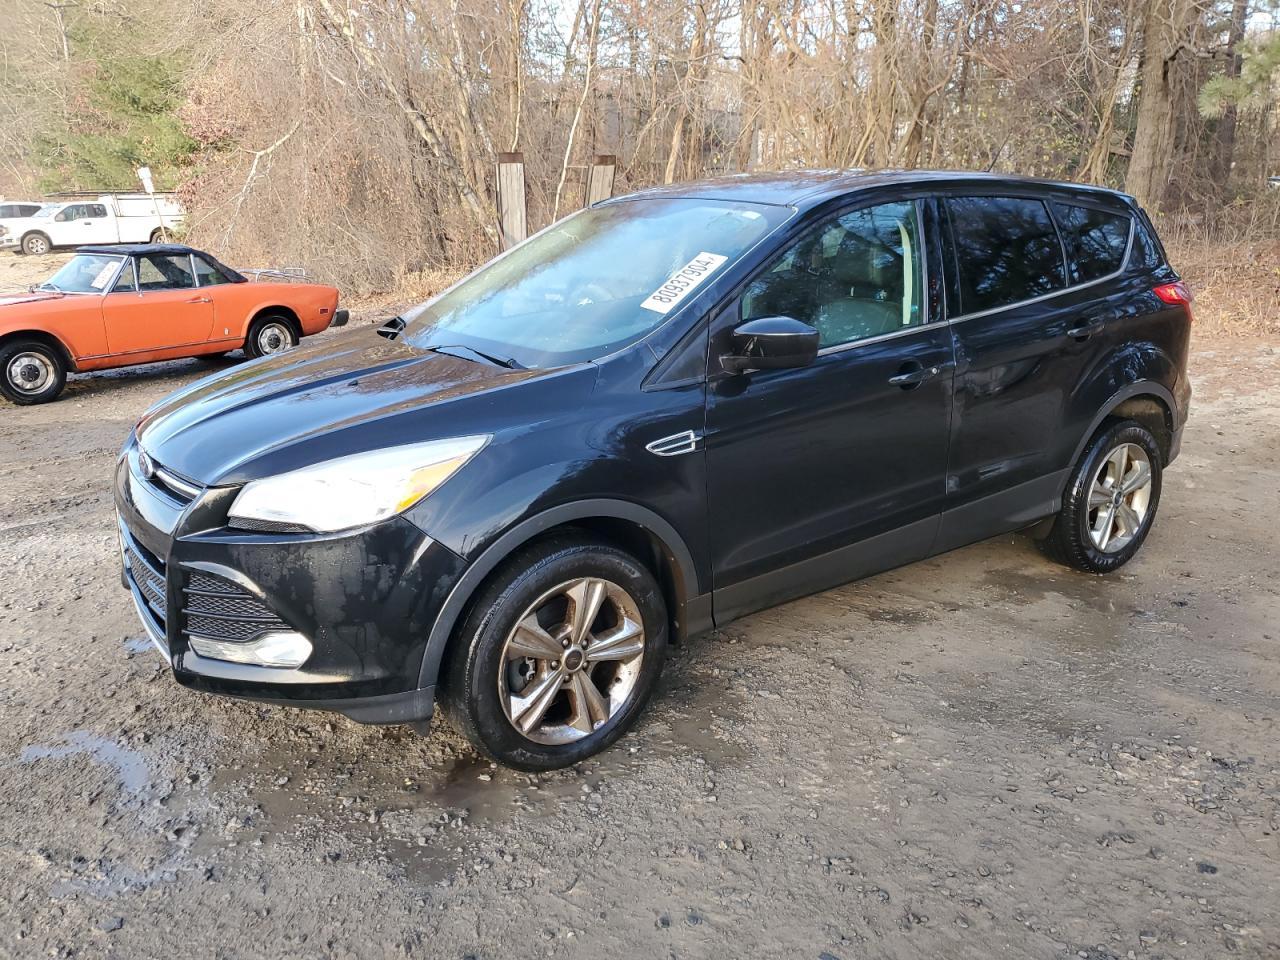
(199, 300)
(912, 375)
(1086, 330)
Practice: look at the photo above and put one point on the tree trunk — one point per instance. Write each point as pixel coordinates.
(1166, 27)
(1225, 134)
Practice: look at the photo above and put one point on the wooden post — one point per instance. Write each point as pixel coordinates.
(600, 179)
(513, 221)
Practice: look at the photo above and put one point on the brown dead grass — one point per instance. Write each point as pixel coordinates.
(1236, 285)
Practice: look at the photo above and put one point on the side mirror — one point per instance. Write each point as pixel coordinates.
(771, 343)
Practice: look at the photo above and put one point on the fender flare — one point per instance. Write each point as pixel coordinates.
(524, 531)
(1136, 389)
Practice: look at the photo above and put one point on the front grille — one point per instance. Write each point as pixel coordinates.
(146, 570)
(218, 609)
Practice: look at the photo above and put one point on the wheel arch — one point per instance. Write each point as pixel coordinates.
(1148, 402)
(627, 525)
(275, 309)
(45, 337)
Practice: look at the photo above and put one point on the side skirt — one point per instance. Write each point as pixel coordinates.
(874, 555)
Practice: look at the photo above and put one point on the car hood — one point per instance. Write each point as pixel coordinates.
(16, 298)
(342, 396)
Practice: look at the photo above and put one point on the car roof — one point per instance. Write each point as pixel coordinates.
(133, 249)
(803, 189)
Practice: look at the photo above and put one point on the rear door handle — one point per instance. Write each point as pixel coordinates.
(1087, 330)
(912, 375)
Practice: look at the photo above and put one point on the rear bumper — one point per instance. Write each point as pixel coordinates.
(340, 318)
(365, 600)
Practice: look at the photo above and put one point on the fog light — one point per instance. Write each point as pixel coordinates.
(270, 650)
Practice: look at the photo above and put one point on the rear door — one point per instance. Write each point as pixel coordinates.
(824, 473)
(1027, 328)
(157, 307)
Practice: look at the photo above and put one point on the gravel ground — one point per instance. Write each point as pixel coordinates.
(983, 755)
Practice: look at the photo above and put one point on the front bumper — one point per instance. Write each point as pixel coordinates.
(365, 599)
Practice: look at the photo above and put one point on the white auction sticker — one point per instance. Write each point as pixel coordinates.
(683, 282)
(104, 275)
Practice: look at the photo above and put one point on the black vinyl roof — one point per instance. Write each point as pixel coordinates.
(804, 189)
(164, 249)
(133, 249)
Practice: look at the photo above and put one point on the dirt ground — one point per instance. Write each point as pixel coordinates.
(983, 755)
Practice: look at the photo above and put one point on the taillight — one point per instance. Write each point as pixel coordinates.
(1174, 293)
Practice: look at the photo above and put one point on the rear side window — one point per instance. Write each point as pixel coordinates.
(208, 274)
(1096, 240)
(1007, 250)
(1147, 253)
(156, 272)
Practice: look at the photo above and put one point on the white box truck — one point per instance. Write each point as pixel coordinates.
(109, 218)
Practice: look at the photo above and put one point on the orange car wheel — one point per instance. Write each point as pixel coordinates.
(31, 372)
(270, 334)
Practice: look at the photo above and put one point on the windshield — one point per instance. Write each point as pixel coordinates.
(84, 273)
(45, 212)
(594, 282)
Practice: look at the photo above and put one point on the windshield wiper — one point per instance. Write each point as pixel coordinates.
(463, 352)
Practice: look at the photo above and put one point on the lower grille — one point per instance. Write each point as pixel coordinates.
(146, 570)
(218, 609)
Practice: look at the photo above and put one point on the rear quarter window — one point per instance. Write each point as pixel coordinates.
(1096, 240)
(1006, 251)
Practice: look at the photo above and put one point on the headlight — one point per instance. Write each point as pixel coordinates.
(351, 491)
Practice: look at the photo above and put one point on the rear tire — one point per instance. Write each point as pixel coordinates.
(559, 655)
(31, 372)
(36, 244)
(269, 335)
(1110, 502)
(157, 236)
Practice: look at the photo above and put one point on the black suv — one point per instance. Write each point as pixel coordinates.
(659, 414)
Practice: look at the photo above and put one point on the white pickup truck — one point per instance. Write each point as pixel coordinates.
(110, 218)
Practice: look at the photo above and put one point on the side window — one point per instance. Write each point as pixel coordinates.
(156, 272)
(1096, 240)
(1147, 253)
(94, 211)
(7, 211)
(127, 282)
(855, 277)
(209, 274)
(27, 210)
(67, 214)
(1007, 250)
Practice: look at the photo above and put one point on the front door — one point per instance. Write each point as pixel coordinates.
(828, 472)
(81, 223)
(157, 307)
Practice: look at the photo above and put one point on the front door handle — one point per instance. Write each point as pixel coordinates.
(199, 300)
(912, 375)
(1086, 330)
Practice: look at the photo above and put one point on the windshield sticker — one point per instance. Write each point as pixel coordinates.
(683, 282)
(104, 275)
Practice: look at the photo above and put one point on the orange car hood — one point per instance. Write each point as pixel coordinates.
(29, 297)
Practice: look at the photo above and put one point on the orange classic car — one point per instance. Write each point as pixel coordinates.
(113, 306)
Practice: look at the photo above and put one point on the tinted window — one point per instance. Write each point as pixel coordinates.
(855, 277)
(156, 272)
(1007, 250)
(27, 210)
(1147, 253)
(1096, 240)
(95, 210)
(209, 274)
(8, 210)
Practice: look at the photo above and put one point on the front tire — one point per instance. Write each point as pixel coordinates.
(270, 335)
(559, 655)
(36, 244)
(1110, 502)
(31, 372)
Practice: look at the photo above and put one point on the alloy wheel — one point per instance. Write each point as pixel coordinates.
(1119, 497)
(571, 661)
